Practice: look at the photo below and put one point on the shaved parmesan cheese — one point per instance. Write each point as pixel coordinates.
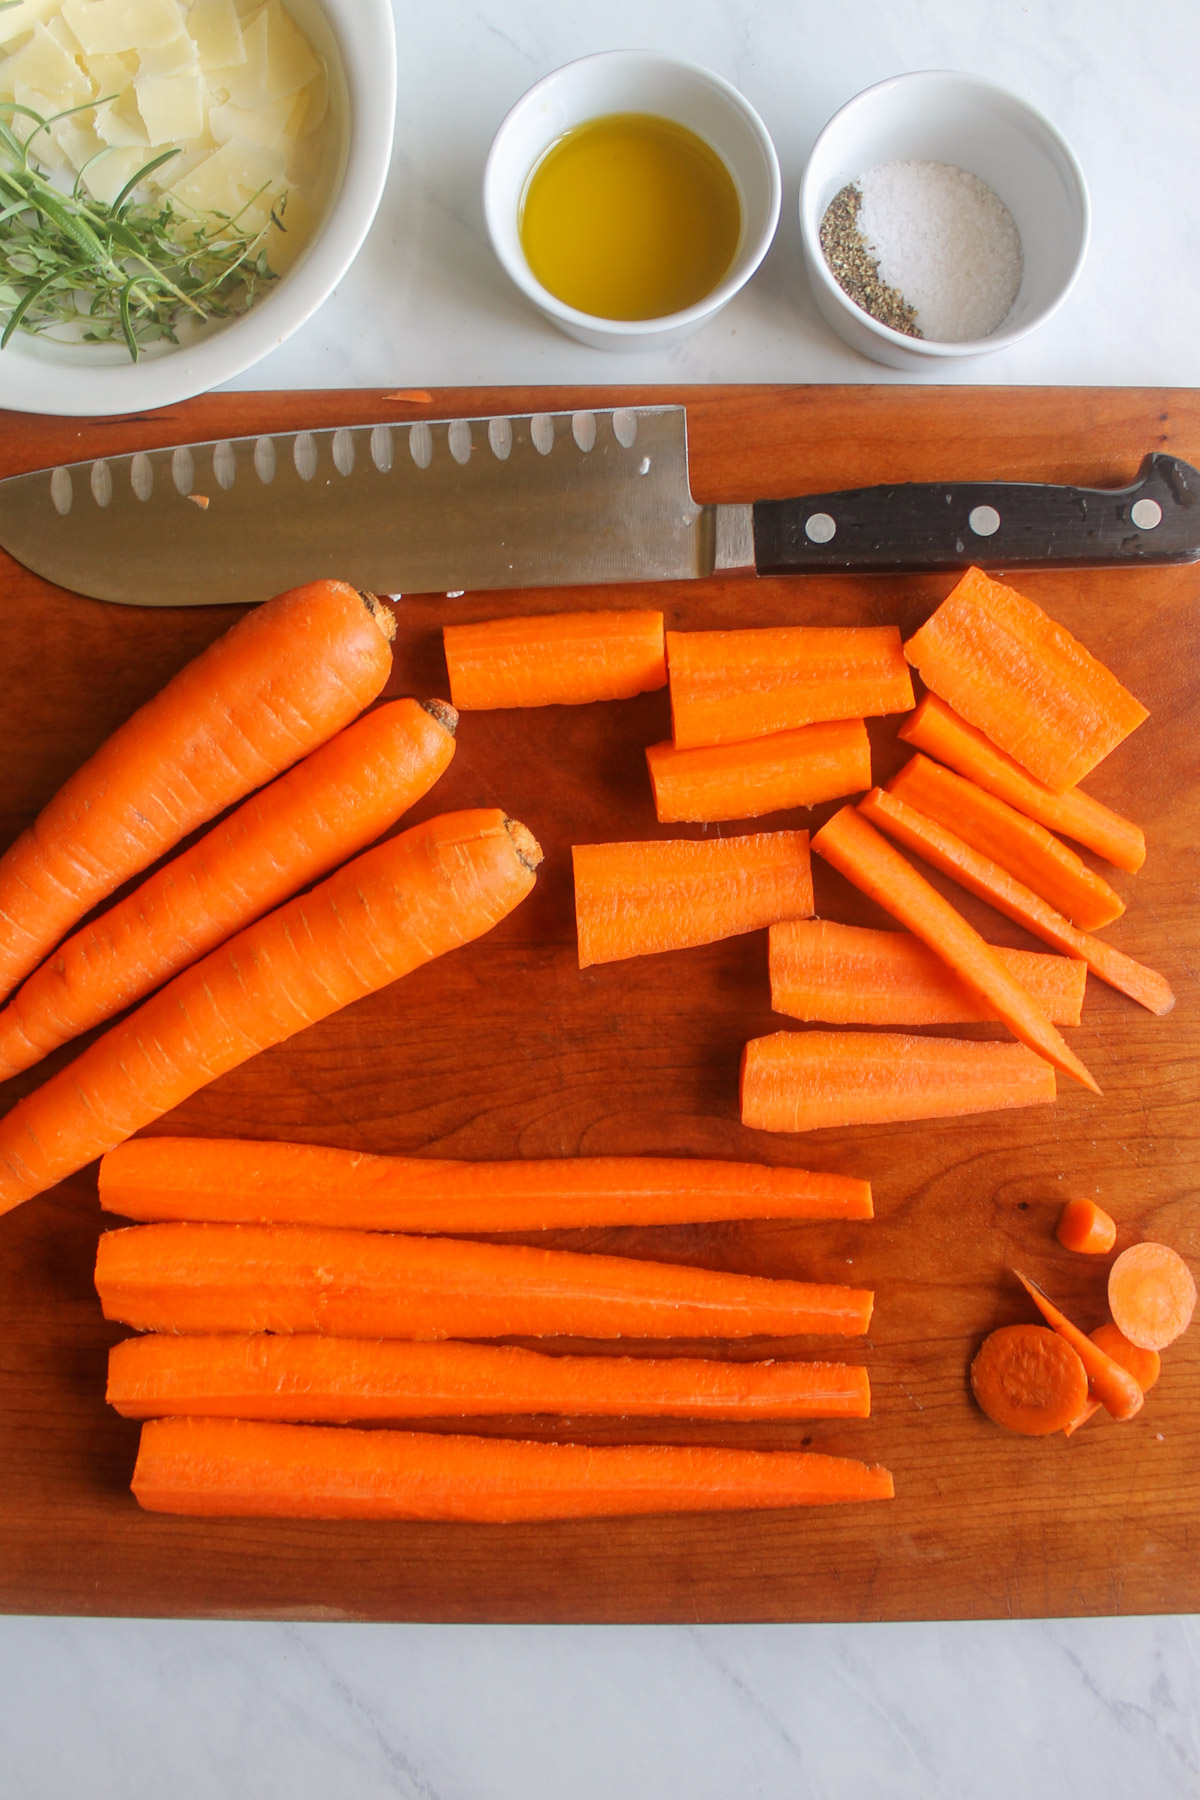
(230, 179)
(43, 64)
(108, 25)
(217, 35)
(176, 57)
(110, 173)
(172, 106)
(119, 123)
(253, 125)
(16, 20)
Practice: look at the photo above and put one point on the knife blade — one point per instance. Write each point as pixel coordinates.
(541, 500)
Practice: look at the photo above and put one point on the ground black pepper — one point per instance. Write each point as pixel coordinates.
(854, 268)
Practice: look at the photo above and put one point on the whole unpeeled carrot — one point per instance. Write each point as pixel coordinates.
(335, 1379)
(286, 677)
(248, 1278)
(436, 886)
(858, 851)
(769, 774)
(326, 808)
(309, 1184)
(1113, 1386)
(236, 1467)
(671, 894)
(555, 659)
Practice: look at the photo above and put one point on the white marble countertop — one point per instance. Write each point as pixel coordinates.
(967, 1711)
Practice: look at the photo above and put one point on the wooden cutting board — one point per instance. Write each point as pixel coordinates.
(505, 1049)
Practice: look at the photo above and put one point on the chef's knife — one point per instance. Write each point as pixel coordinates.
(539, 501)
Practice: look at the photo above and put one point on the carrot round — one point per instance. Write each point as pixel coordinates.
(438, 885)
(241, 1182)
(1029, 1379)
(1085, 1227)
(1144, 1365)
(334, 1379)
(554, 659)
(247, 1278)
(1113, 1386)
(240, 1468)
(286, 677)
(1151, 1295)
(770, 774)
(326, 808)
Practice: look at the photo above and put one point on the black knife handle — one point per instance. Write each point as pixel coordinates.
(918, 526)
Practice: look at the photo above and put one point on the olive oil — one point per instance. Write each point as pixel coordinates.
(630, 217)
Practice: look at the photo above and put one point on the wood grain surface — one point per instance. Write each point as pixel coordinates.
(505, 1049)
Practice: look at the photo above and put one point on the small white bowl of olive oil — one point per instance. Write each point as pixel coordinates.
(629, 196)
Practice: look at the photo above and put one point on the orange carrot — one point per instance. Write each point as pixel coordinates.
(554, 659)
(1085, 1227)
(730, 685)
(247, 1278)
(1009, 670)
(1029, 1380)
(869, 861)
(329, 807)
(438, 885)
(770, 774)
(636, 899)
(286, 677)
(1113, 1386)
(1151, 1295)
(799, 1080)
(236, 1467)
(1029, 852)
(849, 975)
(334, 1379)
(1144, 1365)
(936, 728)
(986, 879)
(308, 1184)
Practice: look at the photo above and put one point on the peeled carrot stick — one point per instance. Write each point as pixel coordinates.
(1151, 1295)
(1144, 1365)
(238, 1468)
(309, 1184)
(437, 886)
(1085, 1227)
(855, 848)
(730, 685)
(770, 774)
(1029, 1380)
(286, 677)
(799, 1080)
(247, 1278)
(986, 879)
(849, 975)
(670, 894)
(326, 808)
(1113, 1386)
(334, 1379)
(936, 728)
(554, 659)
(1029, 852)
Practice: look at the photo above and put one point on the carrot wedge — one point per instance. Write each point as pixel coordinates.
(247, 1278)
(855, 848)
(239, 1468)
(1144, 1365)
(334, 1379)
(237, 1182)
(769, 774)
(986, 879)
(1113, 1386)
(638, 899)
(937, 729)
(554, 659)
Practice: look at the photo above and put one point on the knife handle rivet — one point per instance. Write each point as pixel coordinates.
(820, 528)
(383, 449)
(264, 460)
(983, 520)
(60, 491)
(101, 483)
(500, 438)
(1146, 514)
(183, 472)
(141, 475)
(458, 436)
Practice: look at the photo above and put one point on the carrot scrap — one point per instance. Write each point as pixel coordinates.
(309, 1184)
(1085, 1227)
(769, 774)
(238, 1467)
(670, 894)
(436, 886)
(799, 1080)
(936, 728)
(849, 975)
(326, 808)
(986, 879)
(1144, 1365)
(333, 1379)
(730, 685)
(858, 851)
(286, 677)
(554, 659)
(1113, 1386)
(248, 1278)
(1029, 1379)
(1151, 1295)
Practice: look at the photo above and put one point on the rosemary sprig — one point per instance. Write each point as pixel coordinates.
(127, 271)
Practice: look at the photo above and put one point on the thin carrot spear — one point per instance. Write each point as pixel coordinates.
(1113, 1386)
(768, 774)
(1144, 1365)
(555, 659)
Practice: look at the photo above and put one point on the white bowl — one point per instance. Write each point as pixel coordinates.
(358, 41)
(640, 81)
(941, 116)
